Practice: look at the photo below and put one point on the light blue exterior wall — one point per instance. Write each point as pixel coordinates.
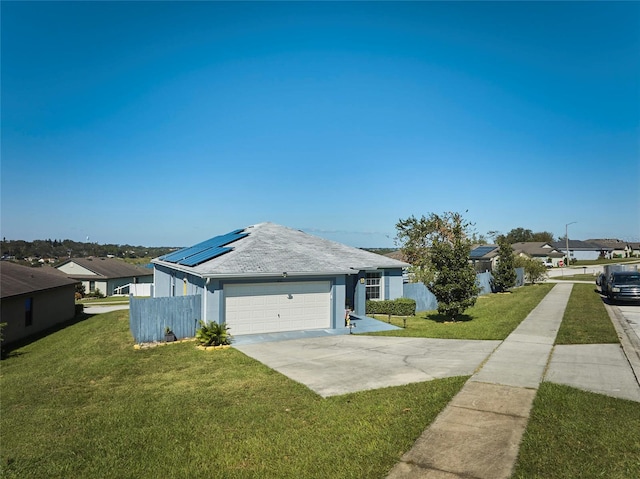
(338, 299)
(161, 281)
(169, 282)
(588, 255)
(393, 283)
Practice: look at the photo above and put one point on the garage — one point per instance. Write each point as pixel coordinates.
(274, 307)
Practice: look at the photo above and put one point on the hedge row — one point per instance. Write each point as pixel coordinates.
(396, 307)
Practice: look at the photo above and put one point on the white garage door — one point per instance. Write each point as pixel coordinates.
(274, 307)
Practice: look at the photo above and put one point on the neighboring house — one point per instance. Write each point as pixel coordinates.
(484, 257)
(398, 255)
(33, 299)
(541, 251)
(270, 278)
(582, 250)
(612, 248)
(104, 274)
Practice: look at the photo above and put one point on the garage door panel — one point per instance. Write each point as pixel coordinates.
(272, 307)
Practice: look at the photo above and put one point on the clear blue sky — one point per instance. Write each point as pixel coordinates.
(169, 123)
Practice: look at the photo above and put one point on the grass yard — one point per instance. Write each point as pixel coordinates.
(578, 434)
(494, 316)
(578, 277)
(107, 299)
(602, 261)
(82, 402)
(586, 320)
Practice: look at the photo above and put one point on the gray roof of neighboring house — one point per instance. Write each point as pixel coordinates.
(579, 245)
(398, 255)
(16, 279)
(271, 249)
(107, 268)
(611, 244)
(534, 248)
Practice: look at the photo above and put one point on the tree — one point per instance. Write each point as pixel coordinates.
(504, 275)
(521, 235)
(543, 237)
(439, 247)
(478, 239)
(534, 270)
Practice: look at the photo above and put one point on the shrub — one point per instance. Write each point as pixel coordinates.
(213, 334)
(95, 294)
(395, 307)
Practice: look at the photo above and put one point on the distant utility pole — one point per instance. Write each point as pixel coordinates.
(566, 238)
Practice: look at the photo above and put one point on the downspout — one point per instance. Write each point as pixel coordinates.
(206, 293)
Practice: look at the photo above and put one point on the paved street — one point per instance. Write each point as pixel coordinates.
(631, 313)
(103, 308)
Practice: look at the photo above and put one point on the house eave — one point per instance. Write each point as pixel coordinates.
(269, 274)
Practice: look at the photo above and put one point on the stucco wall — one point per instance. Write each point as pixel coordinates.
(49, 308)
(393, 283)
(587, 255)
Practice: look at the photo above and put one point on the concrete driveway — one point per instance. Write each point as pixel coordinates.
(336, 365)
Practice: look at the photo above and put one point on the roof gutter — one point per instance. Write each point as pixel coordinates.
(271, 274)
(266, 274)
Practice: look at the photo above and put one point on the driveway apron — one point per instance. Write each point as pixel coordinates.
(337, 365)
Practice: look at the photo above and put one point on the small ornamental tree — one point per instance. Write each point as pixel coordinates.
(504, 274)
(439, 247)
(534, 270)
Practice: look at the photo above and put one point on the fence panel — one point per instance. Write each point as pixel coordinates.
(426, 301)
(148, 317)
(483, 280)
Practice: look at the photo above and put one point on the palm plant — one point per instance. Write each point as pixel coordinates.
(213, 334)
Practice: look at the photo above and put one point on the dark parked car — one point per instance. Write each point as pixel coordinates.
(601, 283)
(623, 286)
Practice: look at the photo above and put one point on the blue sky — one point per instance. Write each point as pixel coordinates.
(168, 123)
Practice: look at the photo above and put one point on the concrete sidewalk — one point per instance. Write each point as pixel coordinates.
(478, 434)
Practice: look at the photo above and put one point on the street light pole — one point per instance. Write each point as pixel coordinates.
(566, 238)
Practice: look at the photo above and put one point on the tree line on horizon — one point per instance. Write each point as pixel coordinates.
(61, 249)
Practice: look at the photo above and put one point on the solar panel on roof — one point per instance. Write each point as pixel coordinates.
(197, 248)
(480, 251)
(204, 251)
(203, 256)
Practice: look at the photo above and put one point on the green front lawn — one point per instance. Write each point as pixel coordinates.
(578, 434)
(585, 320)
(577, 277)
(590, 262)
(82, 402)
(494, 316)
(108, 299)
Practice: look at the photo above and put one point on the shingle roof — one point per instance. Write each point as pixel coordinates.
(272, 249)
(398, 254)
(578, 245)
(107, 268)
(532, 248)
(610, 244)
(16, 279)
